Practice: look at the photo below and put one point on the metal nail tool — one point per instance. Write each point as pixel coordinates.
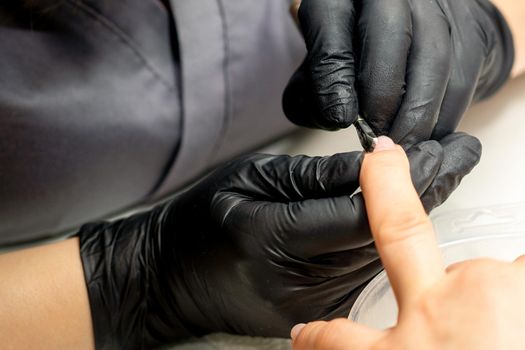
(367, 137)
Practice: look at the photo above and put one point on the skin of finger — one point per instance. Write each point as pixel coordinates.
(402, 230)
(453, 266)
(339, 334)
(385, 32)
(520, 260)
(471, 263)
(481, 296)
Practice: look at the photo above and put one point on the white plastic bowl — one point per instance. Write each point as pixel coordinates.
(497, 233)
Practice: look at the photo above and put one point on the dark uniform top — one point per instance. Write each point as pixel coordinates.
(107, 104)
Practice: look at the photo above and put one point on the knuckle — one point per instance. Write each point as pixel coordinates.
(454, 267)
(401, 226)
(330, 333)
(309, 335)
(483, 275)
(431, 308)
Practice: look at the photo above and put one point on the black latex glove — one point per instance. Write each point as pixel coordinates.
(255, 247)
(414, 65)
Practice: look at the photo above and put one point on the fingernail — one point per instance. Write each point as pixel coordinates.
(384, 143)
(296, 330)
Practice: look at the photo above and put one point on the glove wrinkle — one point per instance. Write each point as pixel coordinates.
(410, 68)
(258, 245)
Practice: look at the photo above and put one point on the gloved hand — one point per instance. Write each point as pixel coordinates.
(414, 65)
(257, 246)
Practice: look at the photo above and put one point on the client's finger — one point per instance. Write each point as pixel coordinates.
(339, 334)
(402, 230)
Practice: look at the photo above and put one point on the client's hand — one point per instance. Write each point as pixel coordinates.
(472, 305)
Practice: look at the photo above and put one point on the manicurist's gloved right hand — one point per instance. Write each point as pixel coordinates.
(409, 67)
(258, 245)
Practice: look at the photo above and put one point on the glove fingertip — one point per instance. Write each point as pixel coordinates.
(474, 143)
(470, 147)
(340, 116)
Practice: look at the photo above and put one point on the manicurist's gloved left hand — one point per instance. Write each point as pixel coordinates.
(409, 67)
(258, 245)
